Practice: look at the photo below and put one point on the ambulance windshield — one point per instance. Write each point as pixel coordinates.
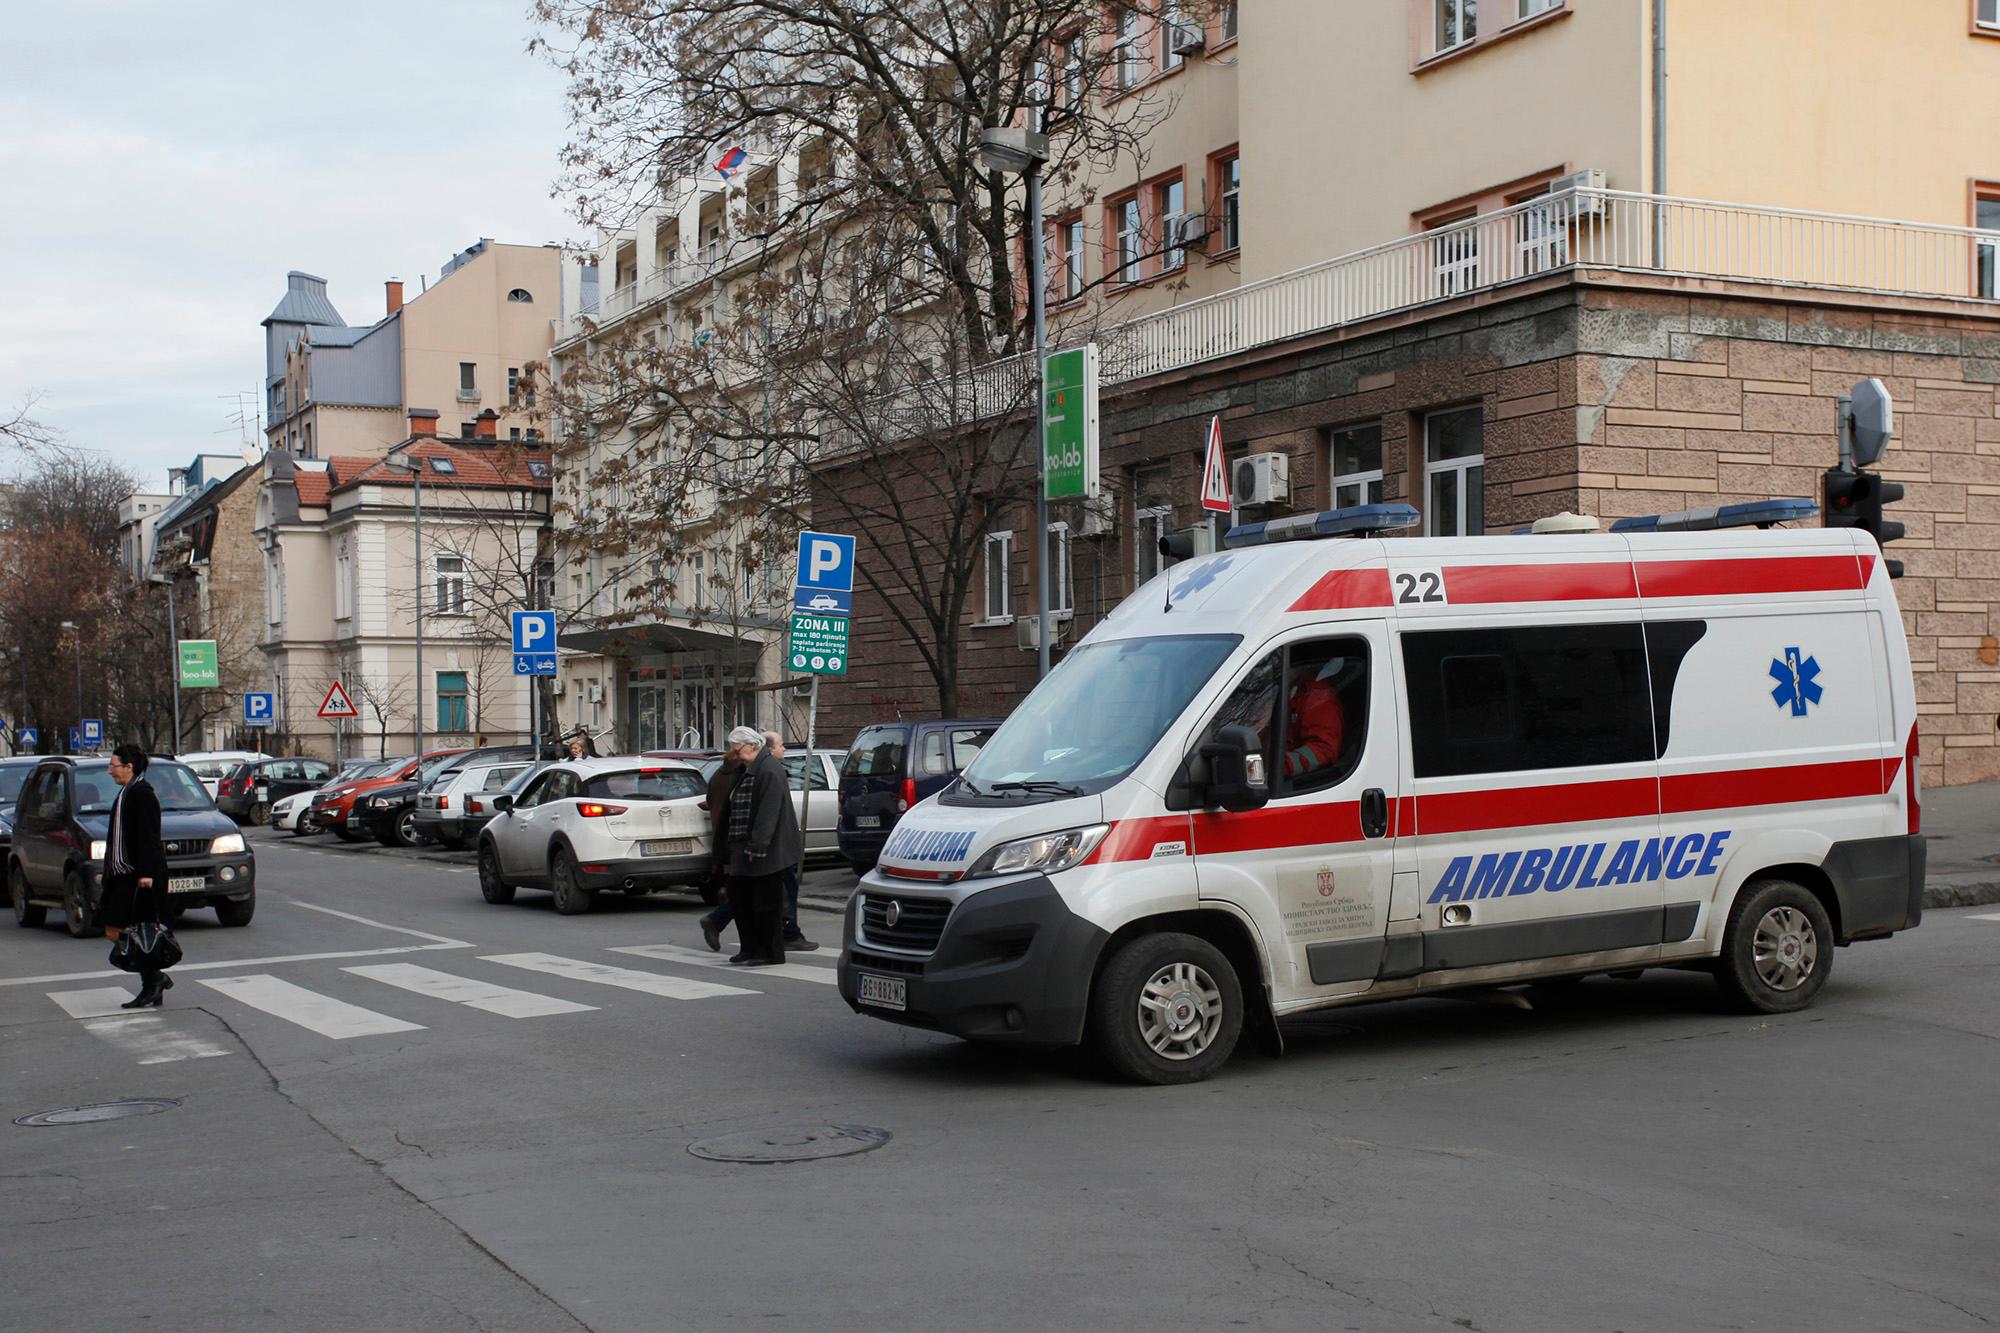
(1094, 718)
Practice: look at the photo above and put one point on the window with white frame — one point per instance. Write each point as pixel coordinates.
(343, 579)
(1072, 71)
(1986, 216)
(1230, 171)
(1169, 200)
(999, 576)
(1988, 13)
(1530, 8)
(1070, 236)
(1129, 238)
(1354, 465)
(1131, 47)
(1455, 473)
(1541, 236)
(468, 379)
(1455, 256)
(1225, 17)
(1152, 519)
(450, 583)
(1169, 27)
(1457, 22)
(1062, 576)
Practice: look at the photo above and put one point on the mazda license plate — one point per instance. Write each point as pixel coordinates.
(884, 992)
(667, 847)
(868, 821)
(187, 884)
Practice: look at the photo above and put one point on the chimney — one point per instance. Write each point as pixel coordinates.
(486, 426)
(423, 422)
(394, 287)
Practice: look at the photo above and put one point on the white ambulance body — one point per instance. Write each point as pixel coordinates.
(1324, 772)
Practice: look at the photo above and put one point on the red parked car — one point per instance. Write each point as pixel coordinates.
(333, 808)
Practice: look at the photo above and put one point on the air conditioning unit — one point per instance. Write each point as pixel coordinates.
(1590, 178)
(596, 693)
(1201, 540)
(556, 687)
(1097, 516)
(1261, 479)
(1190, 228)
(1028, 627)
(1186, 39)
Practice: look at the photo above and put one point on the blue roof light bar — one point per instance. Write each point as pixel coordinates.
(1353, 521)
(1749, 514)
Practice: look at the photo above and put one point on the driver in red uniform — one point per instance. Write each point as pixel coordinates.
(1314, 723)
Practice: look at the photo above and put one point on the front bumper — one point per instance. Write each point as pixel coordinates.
(224, 878)
(331, 817)
(1013, 964)
(655, 871)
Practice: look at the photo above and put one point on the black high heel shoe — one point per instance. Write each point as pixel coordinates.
(151, 993)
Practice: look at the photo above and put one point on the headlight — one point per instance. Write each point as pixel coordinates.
(380, 802)
(227, 843)
(1046, 852)
(97, 849)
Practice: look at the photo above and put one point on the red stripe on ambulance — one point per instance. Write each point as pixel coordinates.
(1602, 581)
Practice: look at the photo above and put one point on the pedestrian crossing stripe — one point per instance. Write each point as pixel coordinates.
(309, 1009)
(503, 1000)
(603, 974)
(677, 953)
(145, 1035)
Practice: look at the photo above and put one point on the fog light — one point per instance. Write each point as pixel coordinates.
(228, 873)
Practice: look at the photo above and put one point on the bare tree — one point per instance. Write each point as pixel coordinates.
(872, 327)
(383, 698)
(21, 430)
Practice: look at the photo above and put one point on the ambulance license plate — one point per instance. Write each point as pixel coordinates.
(187, 884)
(868, 821)
(667, 847)
(883, 992)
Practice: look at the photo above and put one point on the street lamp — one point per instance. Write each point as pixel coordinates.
(414, 465)
(173, 652)
(71, 626)
(1019, 151)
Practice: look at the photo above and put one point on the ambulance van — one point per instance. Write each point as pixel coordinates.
(1300, 773)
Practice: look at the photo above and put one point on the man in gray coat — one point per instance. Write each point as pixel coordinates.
(764, 841)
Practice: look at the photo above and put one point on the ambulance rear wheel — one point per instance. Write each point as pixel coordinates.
(1777, 949)
(1167, 1008)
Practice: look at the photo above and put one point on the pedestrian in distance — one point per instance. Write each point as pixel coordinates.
(580, 746)
(717, 804)
(763, 840)
(795, 939)
(135, 864)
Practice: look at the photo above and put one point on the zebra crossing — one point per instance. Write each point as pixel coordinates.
(414, 997)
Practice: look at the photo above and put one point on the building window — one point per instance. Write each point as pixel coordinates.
(454, 711)
(1152, 519)
(1062, 577)
(343, 579)
(1457, 22)
(1455, 473)
(1229, 202)
(1455, 256)
(1986, 216)
(513, 386)
(1168, 31)
(1131, 48)
(1072, 71)
(1987, 14)
(1542, 236)
(468, 381)
(1225, 15)
(1354, 465)
(1169, 206)
(450, 585)
(1069, 258)
(1530, 8)
(1128, 239)
(520, 296)
(999, 576)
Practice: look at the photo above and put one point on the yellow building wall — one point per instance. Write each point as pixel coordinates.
(467, 317)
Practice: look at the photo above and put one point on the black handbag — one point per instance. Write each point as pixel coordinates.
(147, 946)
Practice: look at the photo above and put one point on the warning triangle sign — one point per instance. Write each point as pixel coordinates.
(337, 704)
(1214, 472)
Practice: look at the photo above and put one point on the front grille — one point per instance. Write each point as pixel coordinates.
(919, 921)
(881, 962)
(186, 846)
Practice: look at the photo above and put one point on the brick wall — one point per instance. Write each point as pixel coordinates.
(1608, 399)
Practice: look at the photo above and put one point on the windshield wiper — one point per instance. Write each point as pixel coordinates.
(1059, 788)
(972, 786)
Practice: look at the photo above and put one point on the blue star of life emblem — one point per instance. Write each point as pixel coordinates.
(1209, 572)
(1798, 681)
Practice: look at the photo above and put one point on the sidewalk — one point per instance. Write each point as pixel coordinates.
(1961, 823)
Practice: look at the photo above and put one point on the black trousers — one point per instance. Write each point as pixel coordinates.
(759, 905)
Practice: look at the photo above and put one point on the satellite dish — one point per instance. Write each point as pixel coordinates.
(1871, 419)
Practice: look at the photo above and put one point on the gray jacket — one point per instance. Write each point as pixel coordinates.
(773, 845)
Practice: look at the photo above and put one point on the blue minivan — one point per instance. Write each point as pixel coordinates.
(891, 767)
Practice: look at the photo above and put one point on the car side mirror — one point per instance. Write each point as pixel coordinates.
(1236, 778)
(501, 804)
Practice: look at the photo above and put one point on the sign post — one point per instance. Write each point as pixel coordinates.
(198, 666)
(822, 602)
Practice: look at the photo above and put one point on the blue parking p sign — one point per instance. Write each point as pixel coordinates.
(257, 709)
(826, 562)
(534, 643)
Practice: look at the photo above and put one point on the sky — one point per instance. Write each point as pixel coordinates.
(163, 165)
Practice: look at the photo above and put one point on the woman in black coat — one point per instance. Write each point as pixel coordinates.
(135, 864)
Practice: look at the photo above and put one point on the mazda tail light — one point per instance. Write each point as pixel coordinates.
(597, 809)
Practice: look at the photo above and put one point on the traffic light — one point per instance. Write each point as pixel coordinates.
(1855, 500)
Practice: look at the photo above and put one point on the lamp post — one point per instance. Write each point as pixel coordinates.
(71, 626)
(415, 467)
(173, 652)
(1017, 150)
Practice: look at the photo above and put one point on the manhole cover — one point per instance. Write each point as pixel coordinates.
(791, 1143)
(91, 1114)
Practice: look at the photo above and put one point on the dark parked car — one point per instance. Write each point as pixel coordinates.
(60, 826)
(246, 792)
(338, 808)
(891, 767)
(13, 776)
(389, 814)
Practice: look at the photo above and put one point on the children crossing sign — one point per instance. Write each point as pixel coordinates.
(336, 703)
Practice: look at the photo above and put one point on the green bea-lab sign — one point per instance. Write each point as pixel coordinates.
(818, 644)
(1069, 444)
(198, 669)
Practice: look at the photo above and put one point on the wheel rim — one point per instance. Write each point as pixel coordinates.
(406, 828)
(565, 883)
(17, 892)
(489, 871)
(1180, 1011)
(73, 905)
(1785, 948)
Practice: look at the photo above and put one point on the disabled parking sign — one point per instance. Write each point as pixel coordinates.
(534, 643)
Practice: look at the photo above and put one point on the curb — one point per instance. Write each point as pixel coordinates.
(1977, 893)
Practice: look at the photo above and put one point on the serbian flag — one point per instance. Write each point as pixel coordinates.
(730, 161)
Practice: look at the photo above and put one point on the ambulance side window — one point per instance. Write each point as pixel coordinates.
(1252, 704)
(1313, 727)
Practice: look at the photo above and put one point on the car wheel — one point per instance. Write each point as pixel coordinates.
(571, 897)
(76, 912)
(407, 832)
(260, 813)
(1777, 949)
(304, 826)
(231, 913)
(26, 914)
(1167, 1009)
(492, 886)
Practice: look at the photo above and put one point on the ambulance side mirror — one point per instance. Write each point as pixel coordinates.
(1236, 779)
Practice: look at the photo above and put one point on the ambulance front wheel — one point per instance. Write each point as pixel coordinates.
(1777, 949)
(1167, 1008)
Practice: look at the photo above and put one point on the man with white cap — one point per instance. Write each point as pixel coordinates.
(763, 842)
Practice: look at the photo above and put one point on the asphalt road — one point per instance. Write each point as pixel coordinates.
(400, 1107)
